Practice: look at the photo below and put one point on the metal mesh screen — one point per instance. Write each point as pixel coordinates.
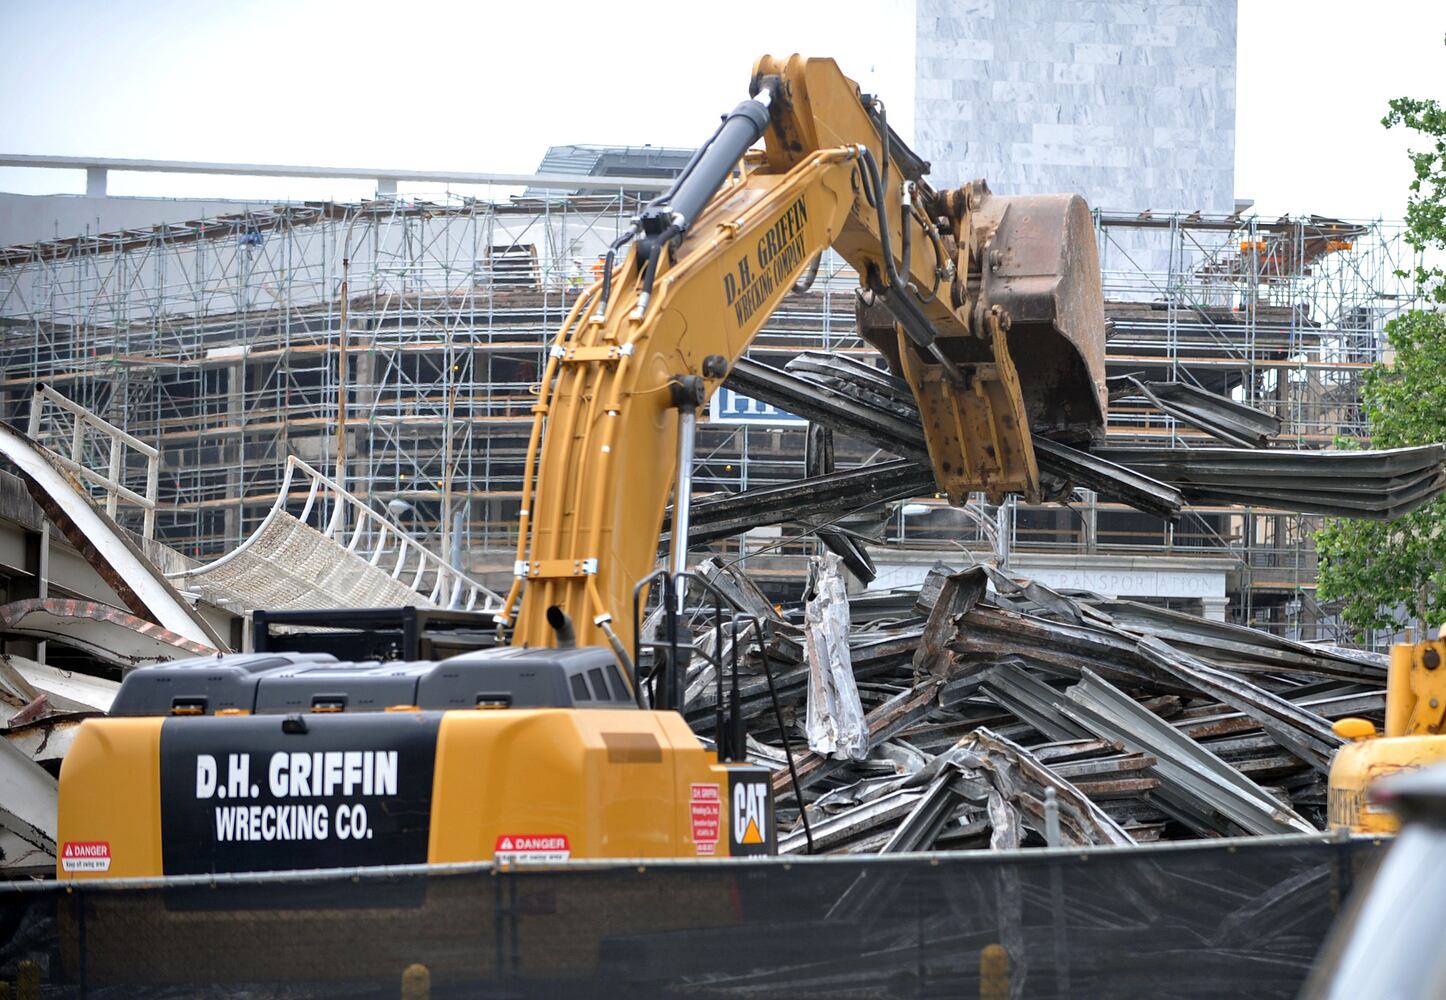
(1197, 920)
(289, 564)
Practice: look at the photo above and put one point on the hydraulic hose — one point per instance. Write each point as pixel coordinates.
(916, 325)
(876, 184)
(608, 264)
(655, 249)
(906, 203)
(806, 279)
(884, 144)
(943, 267)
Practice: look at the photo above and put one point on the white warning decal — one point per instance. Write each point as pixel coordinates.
(531, 848)
(85, 856)
(705, 809)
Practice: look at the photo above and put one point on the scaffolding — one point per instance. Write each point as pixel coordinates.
(1283, 315)
(396, 344)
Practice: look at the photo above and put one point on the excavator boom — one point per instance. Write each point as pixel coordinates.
(990, 307)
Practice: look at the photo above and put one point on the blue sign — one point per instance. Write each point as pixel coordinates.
(729, 407)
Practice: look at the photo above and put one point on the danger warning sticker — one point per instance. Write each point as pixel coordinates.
(705, 807)
(532, 848)
(85, 856)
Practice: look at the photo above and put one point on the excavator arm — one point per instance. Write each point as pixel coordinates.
(989, 307)
(703, 268)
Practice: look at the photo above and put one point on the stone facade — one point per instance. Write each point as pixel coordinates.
(1130, 104)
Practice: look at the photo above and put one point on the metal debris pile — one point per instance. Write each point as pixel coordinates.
(854, 398)
(988, 711)
(42, 707)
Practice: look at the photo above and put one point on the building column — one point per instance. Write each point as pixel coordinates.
(1213, 608)
(232, 449)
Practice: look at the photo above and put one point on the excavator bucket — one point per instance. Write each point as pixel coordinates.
(1018, 350)
(1039, 265)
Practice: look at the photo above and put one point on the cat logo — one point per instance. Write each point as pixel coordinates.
(749, 817)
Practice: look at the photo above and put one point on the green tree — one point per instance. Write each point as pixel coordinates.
(1426, 204)
(1390, 575)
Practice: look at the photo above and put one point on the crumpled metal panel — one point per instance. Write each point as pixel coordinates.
(106, 633)
(287, 563)
(28, 804)
(1197, 784)
(1216, 415)
(834, 722)
(137, 582)
(869, 406)
(1380, 485)
(1190, 768)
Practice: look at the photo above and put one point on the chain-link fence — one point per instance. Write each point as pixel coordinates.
(1228, 918)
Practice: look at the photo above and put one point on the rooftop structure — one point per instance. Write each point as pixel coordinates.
(609, 161)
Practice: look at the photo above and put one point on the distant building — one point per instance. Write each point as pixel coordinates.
(608, 161)
(216, 341)
(1131, 104)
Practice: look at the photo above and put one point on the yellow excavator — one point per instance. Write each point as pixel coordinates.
(1414, 736)
(551, 747)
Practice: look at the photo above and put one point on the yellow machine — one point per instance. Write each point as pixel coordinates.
(989, 307)
(1415, 735)
(195, 795)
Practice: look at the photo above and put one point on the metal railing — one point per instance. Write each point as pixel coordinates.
(97, 167)
(349, 521)
(114, 443)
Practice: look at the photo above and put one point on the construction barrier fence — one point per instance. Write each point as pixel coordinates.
(1202, 919)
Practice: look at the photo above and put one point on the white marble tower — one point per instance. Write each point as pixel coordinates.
(1130, 104)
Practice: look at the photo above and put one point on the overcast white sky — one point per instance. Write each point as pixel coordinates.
(429, 84)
